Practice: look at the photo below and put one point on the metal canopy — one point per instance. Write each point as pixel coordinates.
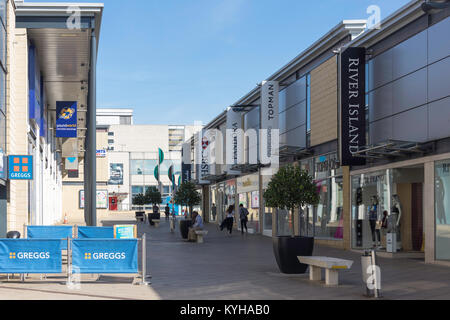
(290, 151)
(215, 177)
(246, 168)
(394, 148)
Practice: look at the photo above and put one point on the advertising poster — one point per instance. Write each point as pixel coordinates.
(116, 174)
(255, 199)
(102, 199)
(20, 167)
(66, 121)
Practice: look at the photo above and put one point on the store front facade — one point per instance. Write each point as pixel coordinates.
(410, 199)
(222, 195)
(248, 195)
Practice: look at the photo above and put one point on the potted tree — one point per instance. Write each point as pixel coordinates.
(139, 200)
(153, 196)
(188, 196)
(291, 188)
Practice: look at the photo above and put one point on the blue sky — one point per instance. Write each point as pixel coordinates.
(178, 61)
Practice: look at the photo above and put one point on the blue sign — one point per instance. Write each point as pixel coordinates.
(104, 256)
(20, 167)
(30, 256)
(51, 232)
(125, 231)
(95, 232)
(66, 119)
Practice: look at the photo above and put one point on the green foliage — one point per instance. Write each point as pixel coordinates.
(291, 188)
(187, 195)
(139, 200)
(153, 196)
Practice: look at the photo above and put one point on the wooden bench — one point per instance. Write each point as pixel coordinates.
(331, 266)
(200, 234)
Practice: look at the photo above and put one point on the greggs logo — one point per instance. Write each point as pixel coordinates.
(29, 255)
(104, 256)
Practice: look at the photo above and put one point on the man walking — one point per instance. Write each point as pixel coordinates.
(167, 211)
(243, 215)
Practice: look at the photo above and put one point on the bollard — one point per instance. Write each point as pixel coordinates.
(371, 273)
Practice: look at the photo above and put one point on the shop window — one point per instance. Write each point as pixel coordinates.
(442, 209)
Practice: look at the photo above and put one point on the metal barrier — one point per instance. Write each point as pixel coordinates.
(49, 232)
(83, 232)
(92, 256)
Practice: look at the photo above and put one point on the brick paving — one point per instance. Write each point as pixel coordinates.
(234, 268)
(244, 267)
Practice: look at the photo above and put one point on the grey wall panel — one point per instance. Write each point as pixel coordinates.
(410, 55)
(411, 125)
(380, 102)
(282, 100)
(380, 130)
(294, 138)
(380, 70)
(410, 91)
(438, 41)
(439, 80)
(251, 119)
(296, 92)
(439, 119)
(296, 116)
(282, 121)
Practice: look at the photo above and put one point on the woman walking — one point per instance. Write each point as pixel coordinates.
(228, 221)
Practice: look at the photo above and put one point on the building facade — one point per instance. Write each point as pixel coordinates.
(391, 192)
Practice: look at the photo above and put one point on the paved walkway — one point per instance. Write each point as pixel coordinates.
(235, 268)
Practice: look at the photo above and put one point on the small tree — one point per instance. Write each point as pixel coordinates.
(139, 200)
(153, 196)
(187, 195)
(291, 188)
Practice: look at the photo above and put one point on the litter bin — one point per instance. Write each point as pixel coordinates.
(370, 275)
(13, 235)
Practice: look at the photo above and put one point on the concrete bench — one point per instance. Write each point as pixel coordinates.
(331, 266)
(156, 221)
(200, 234)
(140, 217)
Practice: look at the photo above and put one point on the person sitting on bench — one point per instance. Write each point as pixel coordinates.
(198, 225)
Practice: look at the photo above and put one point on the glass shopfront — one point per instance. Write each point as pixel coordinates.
(222, 196)
(387, 209)
(324, 221)
(442, 209)
(248, 190)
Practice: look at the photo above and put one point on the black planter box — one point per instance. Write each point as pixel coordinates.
(184, 228)
(286, 250)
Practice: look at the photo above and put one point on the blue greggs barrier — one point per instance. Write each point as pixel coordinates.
(51, 232)
(23, 256)
(95, 232)
(104, 255)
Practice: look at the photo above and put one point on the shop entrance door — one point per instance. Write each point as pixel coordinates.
(417, 216)
(113, 203)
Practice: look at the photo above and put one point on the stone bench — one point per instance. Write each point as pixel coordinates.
(331, 266)
(140, 216)
(156, 221)
(200, 234)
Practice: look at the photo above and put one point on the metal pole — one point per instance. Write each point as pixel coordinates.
(92, 141)
(144, 259)
(377, 281)
(69, 265)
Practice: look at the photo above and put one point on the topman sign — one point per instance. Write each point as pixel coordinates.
(269, 134)
(353, 106)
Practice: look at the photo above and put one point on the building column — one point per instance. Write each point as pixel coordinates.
(90, 175)
(429, 212)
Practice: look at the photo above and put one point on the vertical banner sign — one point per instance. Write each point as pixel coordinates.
(353, 105)
(186, 165)
(234, 140)
(203, 165)
(269, 153)
(66, 119)
(30, 256)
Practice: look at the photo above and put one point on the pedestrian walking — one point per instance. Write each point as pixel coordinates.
(214, 211)
(167, 211)
(243, 215)
(228, 221)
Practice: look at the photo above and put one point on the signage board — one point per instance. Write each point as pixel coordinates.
(270, 130)
(102, 199)
(66, 119)
(104, 256)
(32, 256)
(234, 139)
(101, 153)
(125, 231)
(116, 174)
(20, 167)
(353, 106)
